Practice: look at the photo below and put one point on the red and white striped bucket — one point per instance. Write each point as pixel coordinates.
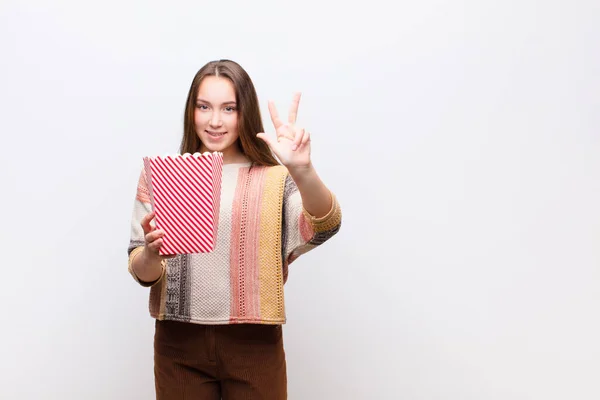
(185, 192)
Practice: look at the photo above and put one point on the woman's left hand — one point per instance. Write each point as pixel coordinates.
(293, 143)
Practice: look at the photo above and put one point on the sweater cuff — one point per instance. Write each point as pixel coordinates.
(134, 253)
(327, 222)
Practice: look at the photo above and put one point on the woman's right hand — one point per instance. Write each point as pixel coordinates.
(153, 238)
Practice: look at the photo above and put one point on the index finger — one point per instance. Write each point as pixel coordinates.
(146, 222)
(294, 108)
(274, 115)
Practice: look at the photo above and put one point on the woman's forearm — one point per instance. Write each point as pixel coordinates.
(146, 267)
(316, 197)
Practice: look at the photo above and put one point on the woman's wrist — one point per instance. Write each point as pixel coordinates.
(147, 266)
(302, 174)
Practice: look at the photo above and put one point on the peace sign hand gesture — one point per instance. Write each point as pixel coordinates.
(293, 144)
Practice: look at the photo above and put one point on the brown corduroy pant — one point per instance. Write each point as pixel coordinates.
(213, 362)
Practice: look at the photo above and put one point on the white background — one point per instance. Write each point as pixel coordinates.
(461, 137)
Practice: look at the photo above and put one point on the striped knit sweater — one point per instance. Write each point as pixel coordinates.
(262, 227)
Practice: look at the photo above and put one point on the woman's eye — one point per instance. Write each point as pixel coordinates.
(230, 109)
(202, 106)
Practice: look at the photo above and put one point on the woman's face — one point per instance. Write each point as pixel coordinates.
(216, 117)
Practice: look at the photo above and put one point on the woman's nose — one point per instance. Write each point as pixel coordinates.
(215, 119)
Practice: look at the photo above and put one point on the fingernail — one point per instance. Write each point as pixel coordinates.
(294, 147)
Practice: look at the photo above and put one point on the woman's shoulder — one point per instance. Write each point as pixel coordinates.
(275, 170)
(274, 177)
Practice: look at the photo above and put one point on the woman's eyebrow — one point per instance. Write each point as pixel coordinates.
(208, 102)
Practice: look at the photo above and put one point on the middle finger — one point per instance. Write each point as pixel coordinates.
(152, 236)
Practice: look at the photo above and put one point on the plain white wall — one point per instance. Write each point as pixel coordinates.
(461, 137)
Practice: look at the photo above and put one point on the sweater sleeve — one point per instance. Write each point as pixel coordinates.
(302, 231)
(141, 207)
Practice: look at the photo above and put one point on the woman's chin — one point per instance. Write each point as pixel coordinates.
(212, 147)
(221, 144)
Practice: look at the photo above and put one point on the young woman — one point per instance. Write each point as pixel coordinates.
(218, 315)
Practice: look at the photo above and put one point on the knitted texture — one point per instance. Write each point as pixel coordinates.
(261, 228)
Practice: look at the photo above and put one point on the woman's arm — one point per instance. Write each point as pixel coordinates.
(316, 197)
(292, 147)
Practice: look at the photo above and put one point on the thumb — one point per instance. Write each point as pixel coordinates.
(265, 138)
